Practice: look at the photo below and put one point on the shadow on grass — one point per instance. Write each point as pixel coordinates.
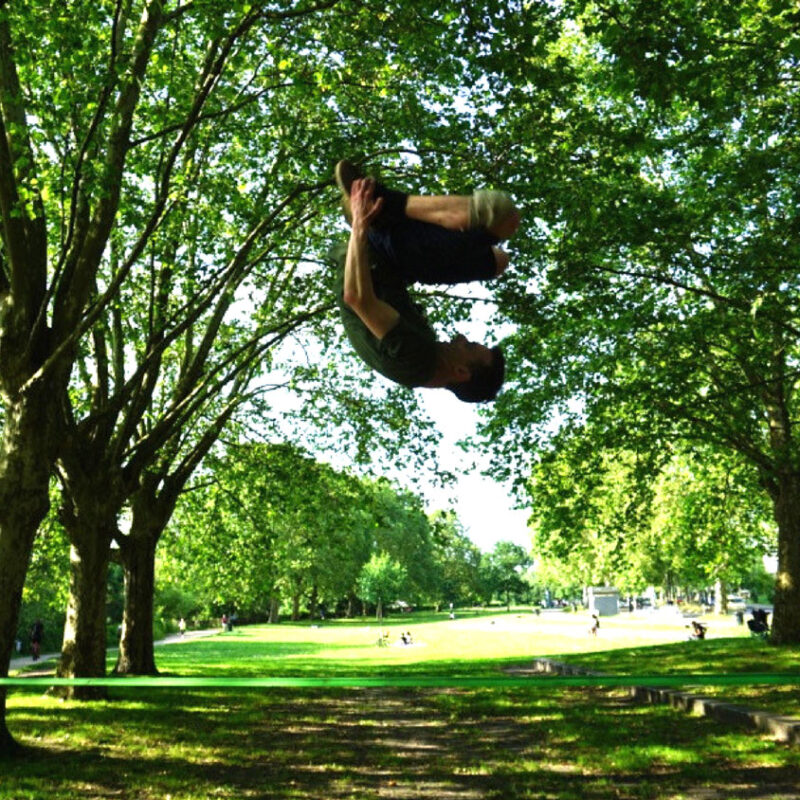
(695, 657)
(385, 743)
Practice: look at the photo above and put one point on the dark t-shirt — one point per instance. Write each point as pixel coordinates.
(407, 353)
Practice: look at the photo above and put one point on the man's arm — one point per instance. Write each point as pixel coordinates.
(359, 292)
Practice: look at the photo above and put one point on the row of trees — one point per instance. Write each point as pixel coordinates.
(686, 522)
(164, 197)
(657, 150)
(266, 530)
(165, 207)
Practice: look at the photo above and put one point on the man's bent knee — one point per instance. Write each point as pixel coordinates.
(494, 211)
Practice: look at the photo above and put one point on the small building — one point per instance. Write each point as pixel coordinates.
(603, 600)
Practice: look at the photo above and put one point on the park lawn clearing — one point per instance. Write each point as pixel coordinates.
(537, 742)
(477, 643)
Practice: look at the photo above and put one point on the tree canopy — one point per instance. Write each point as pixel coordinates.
(658, 296)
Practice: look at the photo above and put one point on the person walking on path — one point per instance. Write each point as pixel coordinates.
(397, 240)
(37, 634)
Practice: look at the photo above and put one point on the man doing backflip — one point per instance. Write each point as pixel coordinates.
(397, 240)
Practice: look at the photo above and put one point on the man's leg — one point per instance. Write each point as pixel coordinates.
(491, 210)
(449, 211)
(424, 252)
(494, 211)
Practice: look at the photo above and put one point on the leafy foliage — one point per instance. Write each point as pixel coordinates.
(657, 295)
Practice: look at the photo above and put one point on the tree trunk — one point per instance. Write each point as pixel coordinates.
(83, 653)
(720, 597)
(295, 606)
(136, 647)
(274, 609)
(313, 602)
(786, 617)
(26, 459)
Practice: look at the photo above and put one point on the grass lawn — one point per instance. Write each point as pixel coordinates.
(397, 743)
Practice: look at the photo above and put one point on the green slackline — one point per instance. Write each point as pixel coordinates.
(422, 681)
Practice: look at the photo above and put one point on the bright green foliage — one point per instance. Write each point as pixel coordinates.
(502, 572)
(266, 522)
(709, 523)
(590, 510)
(382, 581)
(401, 529)
(608, 517)
(269, 525)
(457, 562)
(658, 294)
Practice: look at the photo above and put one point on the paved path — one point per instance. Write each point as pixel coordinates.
(174, 638)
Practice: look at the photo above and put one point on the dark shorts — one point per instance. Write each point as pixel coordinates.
(424, 253)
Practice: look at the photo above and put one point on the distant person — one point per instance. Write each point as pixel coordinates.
(698, 630)
(595, 625)
(182, 626)
(224, 622)
(37, 633)
(759, 624)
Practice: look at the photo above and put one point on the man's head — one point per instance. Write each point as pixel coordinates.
(479, 371)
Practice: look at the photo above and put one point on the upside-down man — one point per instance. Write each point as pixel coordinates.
(397, 240)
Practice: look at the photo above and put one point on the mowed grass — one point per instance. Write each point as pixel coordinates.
(535, 742)
(474, 644)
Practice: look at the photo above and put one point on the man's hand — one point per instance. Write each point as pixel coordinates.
(364, 206)
(359, 292)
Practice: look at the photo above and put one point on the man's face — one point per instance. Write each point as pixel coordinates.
(472, 353)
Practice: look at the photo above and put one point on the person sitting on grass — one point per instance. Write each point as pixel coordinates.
(397, 240)
(759, 624)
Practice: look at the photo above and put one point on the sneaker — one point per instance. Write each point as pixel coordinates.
(345, 173)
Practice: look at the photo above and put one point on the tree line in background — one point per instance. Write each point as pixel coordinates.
(166, 208)
(689, 523)
(267, 532)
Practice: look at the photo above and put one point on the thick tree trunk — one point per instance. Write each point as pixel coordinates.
(295, 606)
(151, 512)
(136, 649)
(25, 461)
(83, 653)
(786, 617)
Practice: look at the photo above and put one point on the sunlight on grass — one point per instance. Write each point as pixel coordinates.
(304, 744)
(475, 644)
